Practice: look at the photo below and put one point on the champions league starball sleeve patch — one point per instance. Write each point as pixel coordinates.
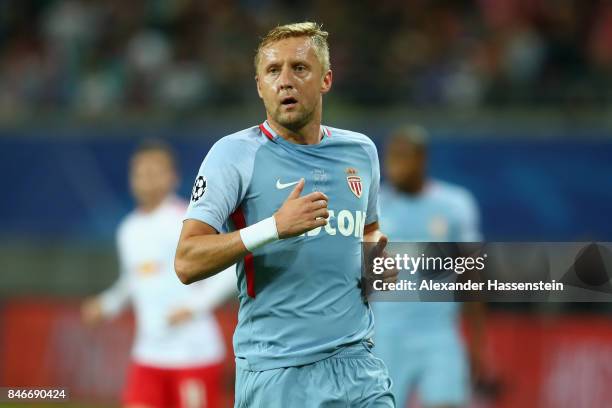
(199, 187)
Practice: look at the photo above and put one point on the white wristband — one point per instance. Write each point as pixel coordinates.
(259, 234)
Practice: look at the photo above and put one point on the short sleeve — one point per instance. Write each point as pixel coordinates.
(373, 210)
(219, 186)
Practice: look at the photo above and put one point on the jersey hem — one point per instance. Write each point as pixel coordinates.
(266, 365)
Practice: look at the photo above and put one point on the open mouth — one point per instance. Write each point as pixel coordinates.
(289, 101)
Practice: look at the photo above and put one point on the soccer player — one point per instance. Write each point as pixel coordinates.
(291, 201)
(420, 342)
(178, 350)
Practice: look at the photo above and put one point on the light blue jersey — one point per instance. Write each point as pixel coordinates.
(299, 297)
(420, 342)
(442, 212)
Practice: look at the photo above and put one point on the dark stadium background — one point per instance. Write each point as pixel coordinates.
(517, 96)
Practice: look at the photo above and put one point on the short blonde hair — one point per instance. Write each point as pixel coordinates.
(314, 31)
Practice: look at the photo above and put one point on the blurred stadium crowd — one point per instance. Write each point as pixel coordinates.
(536, 177)
(93, 57)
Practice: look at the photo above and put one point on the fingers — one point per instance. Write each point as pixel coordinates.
(315, 196)
(321, 213)
(302, 213)
(297, 190)
(317, 205)
(390, 275)
(319, 222)
(381, 244)
(311, 197)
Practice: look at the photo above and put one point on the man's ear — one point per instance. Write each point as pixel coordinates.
(326, 82)
(257, 83)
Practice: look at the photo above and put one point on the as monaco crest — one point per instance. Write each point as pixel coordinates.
(354, 183)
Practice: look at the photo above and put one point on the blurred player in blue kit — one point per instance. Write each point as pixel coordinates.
(421, 342)
(291, 200)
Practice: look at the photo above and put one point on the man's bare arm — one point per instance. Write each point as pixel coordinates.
(202, 252)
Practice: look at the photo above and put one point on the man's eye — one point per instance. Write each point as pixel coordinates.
(300, 68)
(273, 70)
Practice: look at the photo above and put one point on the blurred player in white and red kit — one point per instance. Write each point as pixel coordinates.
(178, 349)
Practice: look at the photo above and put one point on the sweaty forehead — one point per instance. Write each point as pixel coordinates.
(299, 48)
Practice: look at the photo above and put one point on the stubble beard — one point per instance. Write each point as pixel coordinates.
(293, 121)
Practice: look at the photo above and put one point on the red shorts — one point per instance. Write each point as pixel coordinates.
(196, 387)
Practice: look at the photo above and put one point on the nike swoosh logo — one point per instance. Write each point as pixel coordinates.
(281, 186)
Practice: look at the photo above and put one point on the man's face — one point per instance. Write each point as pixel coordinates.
(405, 163)
(290, 80)
(152, 177)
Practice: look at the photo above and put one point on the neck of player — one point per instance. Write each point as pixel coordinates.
(309, 134)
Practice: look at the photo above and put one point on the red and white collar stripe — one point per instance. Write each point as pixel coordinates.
(271, 134)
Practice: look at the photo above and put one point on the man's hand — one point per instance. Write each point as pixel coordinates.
(91, 311)
(179, 316)
(389, 275)
(372, 234)
(301, 214)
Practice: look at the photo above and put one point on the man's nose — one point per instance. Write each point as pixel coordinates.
(285, 80)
